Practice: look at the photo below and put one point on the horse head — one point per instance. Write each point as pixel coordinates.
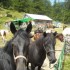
(38, 33)
(49, 45)
(20, 43)
(60, 37)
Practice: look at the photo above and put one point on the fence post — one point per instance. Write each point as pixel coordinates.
(58, 65)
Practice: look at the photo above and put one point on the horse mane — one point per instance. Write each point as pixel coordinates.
(6, 57)
(8, 47)
(6, 62)
(18, 32)
(38, 31)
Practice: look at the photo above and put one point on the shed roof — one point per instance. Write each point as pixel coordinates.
(40, 17)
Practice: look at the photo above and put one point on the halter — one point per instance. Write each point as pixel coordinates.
(49, 50)
(20, 56)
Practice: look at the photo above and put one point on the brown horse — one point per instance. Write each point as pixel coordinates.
(38, 33)
(60, 37)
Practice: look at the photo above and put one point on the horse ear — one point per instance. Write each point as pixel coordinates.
(30, 36)
(12, 28)
(44, 34)
(29, 28)
(55, 33)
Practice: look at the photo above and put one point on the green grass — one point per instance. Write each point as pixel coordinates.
(66, 65)
(8, 37)
(59, 30)
(18, 15)
(4, 18)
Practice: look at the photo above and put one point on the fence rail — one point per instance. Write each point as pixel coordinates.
(58, 65)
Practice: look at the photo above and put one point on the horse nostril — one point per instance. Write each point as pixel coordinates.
(53, 61)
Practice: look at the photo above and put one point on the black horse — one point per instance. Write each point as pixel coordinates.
(17, 47)
(6, 62)
(39, 48)
(20, 43)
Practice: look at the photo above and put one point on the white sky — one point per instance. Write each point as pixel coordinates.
(52, 1)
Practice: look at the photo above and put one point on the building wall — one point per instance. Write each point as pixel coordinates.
(41, 23)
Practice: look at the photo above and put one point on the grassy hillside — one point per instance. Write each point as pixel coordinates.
(66, 65)
(8, 15)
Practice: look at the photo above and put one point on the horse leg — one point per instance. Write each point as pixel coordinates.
(32, 67)
(27, 65)
(39, 67)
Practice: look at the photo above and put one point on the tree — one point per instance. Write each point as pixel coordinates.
(42, 7)
(6, 3)
(67, 12)
(67, 4)
(23, 5)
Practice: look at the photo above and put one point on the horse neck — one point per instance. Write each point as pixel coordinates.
(8, 48)
(40, 42)
(40, 46)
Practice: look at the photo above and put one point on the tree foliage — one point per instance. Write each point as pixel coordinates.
(59, 11)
